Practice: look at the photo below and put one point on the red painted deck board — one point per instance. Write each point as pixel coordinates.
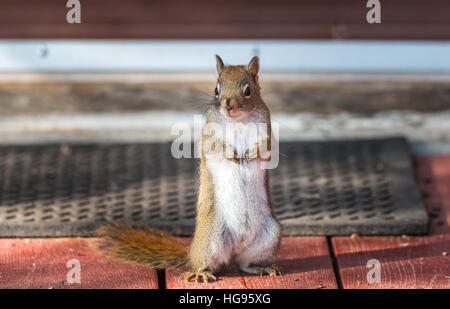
(406, 262)
(411, 262)
(305, 261)
(433, 177)
(41, 264)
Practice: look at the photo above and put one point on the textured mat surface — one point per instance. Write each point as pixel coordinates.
(320, 188)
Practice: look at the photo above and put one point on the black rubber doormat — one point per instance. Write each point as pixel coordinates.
(320, 188)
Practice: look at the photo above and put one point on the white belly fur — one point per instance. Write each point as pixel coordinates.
(241, 199)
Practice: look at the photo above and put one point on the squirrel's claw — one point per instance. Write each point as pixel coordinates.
(188, 276)
(208, 276)
(272, 270)
(203, 275)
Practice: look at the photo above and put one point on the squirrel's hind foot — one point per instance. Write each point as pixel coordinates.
(199, 276)
(272, 270)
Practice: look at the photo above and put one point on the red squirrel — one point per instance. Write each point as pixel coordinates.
(235, 220)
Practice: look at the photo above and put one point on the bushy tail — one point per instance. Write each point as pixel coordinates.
(144, 246)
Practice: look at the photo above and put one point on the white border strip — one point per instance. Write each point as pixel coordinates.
(197, 55)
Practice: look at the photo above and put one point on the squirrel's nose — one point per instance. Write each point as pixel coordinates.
(228, 104)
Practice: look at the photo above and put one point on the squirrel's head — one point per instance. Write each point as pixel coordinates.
(237, 89)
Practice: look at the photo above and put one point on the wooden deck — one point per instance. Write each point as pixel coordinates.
(308, 262)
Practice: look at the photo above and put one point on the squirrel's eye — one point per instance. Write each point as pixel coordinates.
(216, 90)
(247, 91)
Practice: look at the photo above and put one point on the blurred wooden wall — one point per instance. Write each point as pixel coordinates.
(226, 19)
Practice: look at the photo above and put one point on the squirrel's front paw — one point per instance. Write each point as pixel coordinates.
(206, 276)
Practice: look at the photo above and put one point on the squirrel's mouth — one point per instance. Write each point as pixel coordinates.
(232, 113)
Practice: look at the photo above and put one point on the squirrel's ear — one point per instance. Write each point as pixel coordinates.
(253, 66)
(219, 64)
